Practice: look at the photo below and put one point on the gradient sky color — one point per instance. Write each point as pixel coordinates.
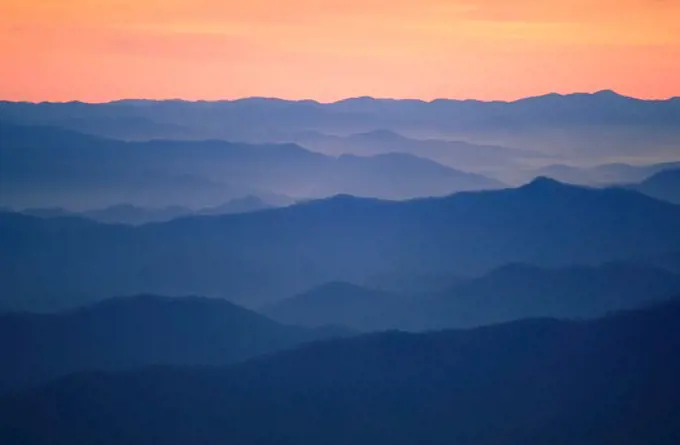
(98, 50)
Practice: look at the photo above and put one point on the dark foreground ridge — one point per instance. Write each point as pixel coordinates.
(541, 382)
(133, 332)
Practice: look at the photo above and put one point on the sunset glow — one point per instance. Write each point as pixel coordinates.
(98, 50)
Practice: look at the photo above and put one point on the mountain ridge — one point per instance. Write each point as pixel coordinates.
(255, 258)
(201, 173)
(542, 381)
(598, 93)
(144, 330)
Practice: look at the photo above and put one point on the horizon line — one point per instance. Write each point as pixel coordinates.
(610, 92)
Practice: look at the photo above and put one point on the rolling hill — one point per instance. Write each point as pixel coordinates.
(47, 167)
(543, 382)
(663, 185)
(134, 332)
(260, 257)
(512, 292)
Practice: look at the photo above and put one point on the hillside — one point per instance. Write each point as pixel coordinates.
(543, 382)
(134, 332)
(255, 258)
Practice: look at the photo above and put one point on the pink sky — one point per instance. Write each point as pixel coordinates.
(99, 50)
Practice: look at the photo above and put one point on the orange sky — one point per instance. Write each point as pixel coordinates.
(98, 50)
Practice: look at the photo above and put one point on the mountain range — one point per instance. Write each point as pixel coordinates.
(542, 381)
(512, 292)
(456, 154)
(599, 175)
(261, 257)
(367, 271)
(44, 167)
(134, 332)
(599, 127)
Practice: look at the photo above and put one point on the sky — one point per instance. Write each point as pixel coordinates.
(100, 50)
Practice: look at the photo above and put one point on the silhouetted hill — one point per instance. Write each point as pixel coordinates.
(43, 166)
(605, 174)
(132, 332)
(663, 185)
(512, 292)
(541, 382)
(258, 257)
(521, 291)
(397, 175)
(47, 167)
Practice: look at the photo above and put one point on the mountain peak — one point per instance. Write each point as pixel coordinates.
(544, 182)
(607, 93)
(358, 99)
